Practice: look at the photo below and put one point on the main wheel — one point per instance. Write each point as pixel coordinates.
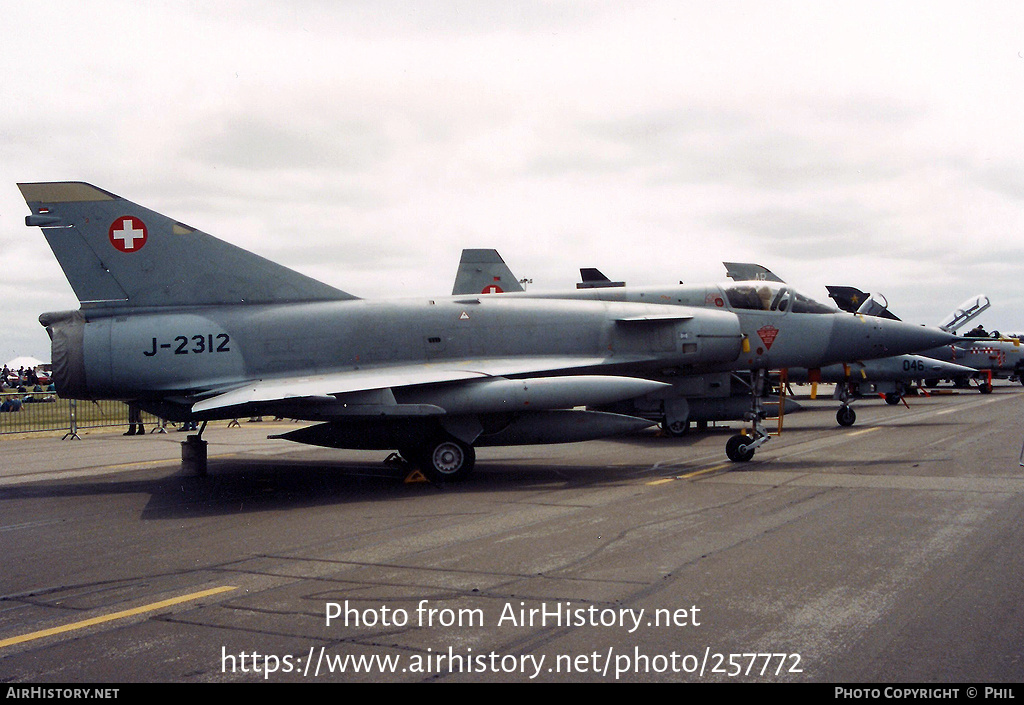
(737, 448)
(846, 416)
(676, 429)
(985, 387)
(447, 460)
(892, 399)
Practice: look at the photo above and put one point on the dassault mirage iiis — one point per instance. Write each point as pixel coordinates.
(890, 377)
(193, 328)
(781, 328)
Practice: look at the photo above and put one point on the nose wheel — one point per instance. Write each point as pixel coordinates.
(740, 448)
(846, 416)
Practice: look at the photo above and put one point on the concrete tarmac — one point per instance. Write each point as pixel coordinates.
(887, 552)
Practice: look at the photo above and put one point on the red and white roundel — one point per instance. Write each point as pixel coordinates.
(128, 234)
(492, 289)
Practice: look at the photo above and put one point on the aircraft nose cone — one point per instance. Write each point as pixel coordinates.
(857, 337)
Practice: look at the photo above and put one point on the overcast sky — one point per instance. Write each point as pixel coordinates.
(879, 145)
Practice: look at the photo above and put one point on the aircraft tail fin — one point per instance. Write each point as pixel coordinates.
(118, 254)
(593, 278)
(483, 271)
(749, 271)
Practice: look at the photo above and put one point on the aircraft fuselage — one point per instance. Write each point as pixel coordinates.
(781, 327)
(151, 354)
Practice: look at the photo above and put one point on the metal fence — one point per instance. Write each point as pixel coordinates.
(30, 412)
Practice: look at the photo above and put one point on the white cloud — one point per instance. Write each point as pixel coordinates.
(875, 144)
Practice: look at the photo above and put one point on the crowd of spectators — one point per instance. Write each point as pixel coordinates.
(26, 385)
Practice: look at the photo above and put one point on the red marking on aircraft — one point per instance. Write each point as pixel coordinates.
(128, 234)
(768, 334)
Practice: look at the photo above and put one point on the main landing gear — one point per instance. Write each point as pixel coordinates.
(442, 459)
(675, 428)
(740, 448)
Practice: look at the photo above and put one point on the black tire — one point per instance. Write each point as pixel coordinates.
(447, 460)
(676, 429)
(737, 449)
(846, 416)
(892, 399)
(985, 387)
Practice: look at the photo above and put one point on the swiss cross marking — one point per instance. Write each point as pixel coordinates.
(128, 234)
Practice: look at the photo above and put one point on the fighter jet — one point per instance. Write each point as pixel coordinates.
(987, 355)
(716, 400)
(781, 328)
(890, 377)
(193, 328)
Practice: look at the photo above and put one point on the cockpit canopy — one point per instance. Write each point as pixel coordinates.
(772, 296)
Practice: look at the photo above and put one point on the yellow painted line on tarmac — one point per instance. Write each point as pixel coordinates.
(116, 615)
(705, 471)
(688, 476)
(863, 431)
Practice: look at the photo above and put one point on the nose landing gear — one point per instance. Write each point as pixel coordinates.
(740, 448)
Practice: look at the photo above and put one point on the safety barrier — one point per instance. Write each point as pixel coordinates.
(31, 412)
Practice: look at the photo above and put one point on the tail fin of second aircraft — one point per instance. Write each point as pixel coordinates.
(593, 278)
(749, 271)
(117, 253)
(484, 272)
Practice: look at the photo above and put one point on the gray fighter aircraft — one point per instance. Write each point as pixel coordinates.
(987, 355)
(890, 377)
(716, 400)
(781, 328)
(193, 328)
